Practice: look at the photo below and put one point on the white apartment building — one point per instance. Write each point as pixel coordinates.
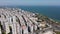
(21, 20)
(29, 23)
(25, 29)
(14, 26)
(18, 28)
(7, 27)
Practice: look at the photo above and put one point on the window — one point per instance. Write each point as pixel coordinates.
(12, 19)
(0, 16)
(0, 23)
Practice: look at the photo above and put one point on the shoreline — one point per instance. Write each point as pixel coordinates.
(34, 13)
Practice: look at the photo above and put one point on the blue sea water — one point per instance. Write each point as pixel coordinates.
(50, 11)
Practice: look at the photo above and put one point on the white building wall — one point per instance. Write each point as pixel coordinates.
(18, 28)
(14, 26)
(10, 22)
(0, 31)
(21, 20)
(7, 27)
(25, 31)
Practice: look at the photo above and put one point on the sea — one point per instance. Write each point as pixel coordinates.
(49, 11)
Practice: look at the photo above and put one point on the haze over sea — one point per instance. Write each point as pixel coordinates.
(50, 11)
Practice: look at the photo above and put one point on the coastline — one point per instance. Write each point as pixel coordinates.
(25, 18)
(45, 10)
(56, 20)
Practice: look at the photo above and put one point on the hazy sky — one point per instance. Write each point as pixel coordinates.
(29, 2)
